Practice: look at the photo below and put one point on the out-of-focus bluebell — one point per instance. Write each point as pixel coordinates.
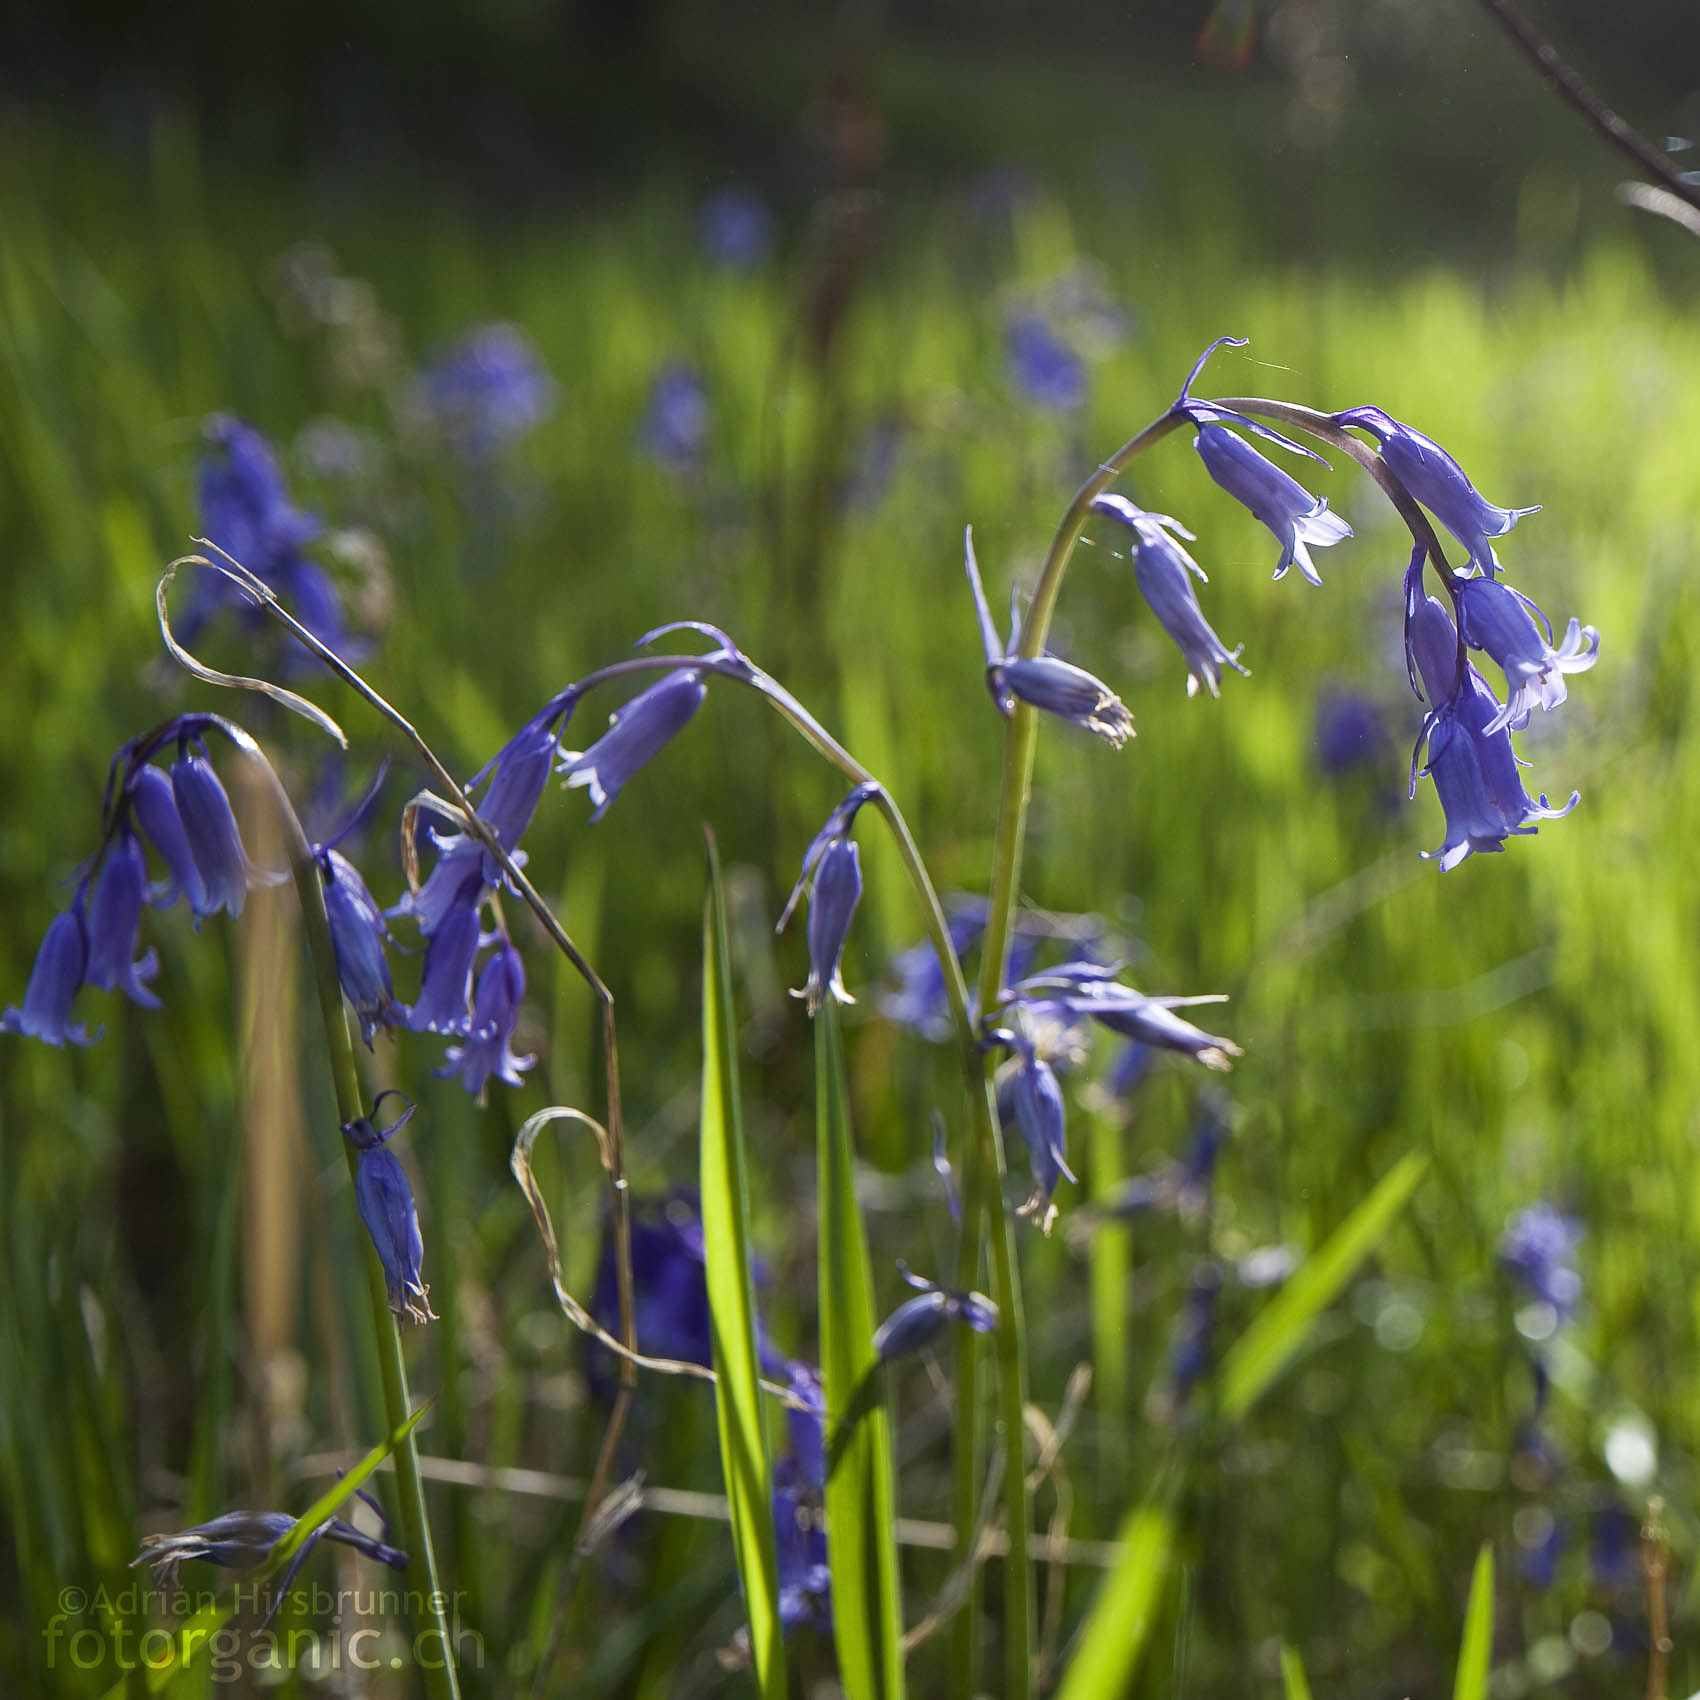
(677, 422)
(1049, 684)
(1030, 1099)
(1132, 1065)
(1297, 518)
(637, 733)
(115, 915)
(805, 1579)
(446, 986)
(1540, 1540)
(153, 804)
(487, 389)
(832, 876)
(1438, 482)
(669, 1282)
(488, 1050)
(1474, 769)
(1350, 732)
(1193, 1347)
(1539, 1248)
(1501, 621)
(918, 1322)
(385, 1202)
(919, 1000)
(1161, 567)
(806, 1427)
(735, 227)
(358, 934)
(209, 825)
(1088, 990)
(1615, 1558)
(1044, 368)
(1183, 1185)
(55, 980)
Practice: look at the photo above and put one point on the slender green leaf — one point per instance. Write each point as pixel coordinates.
(1476, 1654)
(1266, 1347)
(1293, 1674)
(861, 1495)
(1120, 1622)
(732, 1304)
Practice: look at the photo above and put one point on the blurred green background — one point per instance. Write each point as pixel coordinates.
(285, 222)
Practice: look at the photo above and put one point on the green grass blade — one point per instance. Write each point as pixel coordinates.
(861, 1494)
(1476, 1654)
(1263, 1351)
(732, 1305)
(1293, 1682)
(1121, 1619)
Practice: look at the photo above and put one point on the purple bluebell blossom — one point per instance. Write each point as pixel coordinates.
(919, 1321)
(115, 914)
(1297, 518)
(153, 803)
(446, 984)
(1049, 684)
(1539, 1248)
(637, 733)
(385, 1202)
(1086, 989)
(676, 426)
(832, 876)
(735, 227)
(805, 1578)
(669, 1280)
(1162, 567)
(1474, 770)
(1438, 482)
(209, 825)
(489, 388)
(55, 980)
(1030, 1098)
(919, 1001)
(1500, 621)
(357, 938)
(806, 1427)
(488, 1051)
(1042, 366)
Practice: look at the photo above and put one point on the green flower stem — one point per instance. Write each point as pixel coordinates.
(440, 1678)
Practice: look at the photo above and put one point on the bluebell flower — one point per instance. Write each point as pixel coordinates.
(832, 876)
(1030, 1097)
(1049, 684)
(735, 227)
(637, 733)
(806, 1428)
(1350, 732)
(919, 1000)
(1042, 366)
(1474, 769)
(1079, 990)
(209, 825)
(357, 938)
(805, 1578)
(1192, 1349)
(675, 428)
(1438, 482)
(1162, 567)
(1539, 1247)
(488, 1050)
(115, 915)
(1500, 621)
(1297, 518)
(519, 773)
(153, 804)
(55, 980)
(447, 982)
(489, 388)
(385, 1202)
(919, 1321)
(669, 1282)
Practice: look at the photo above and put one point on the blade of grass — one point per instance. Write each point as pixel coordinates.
(1119, 1624)
(1293, 1681)
(1267, 1346)
(1476, 1653)
(861, 1493)
(732, 1305)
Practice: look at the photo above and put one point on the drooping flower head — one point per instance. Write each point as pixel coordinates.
(1080, 990)
(832, 876)
(114, 918)
(1438, 482)
(385, 1202)
(1049, 684)
(636, 734)
(487, 1052)
(1162, 568)
(1500, 621)
(209, 825)
(450, 950)
(918, 1322)
(358, 934)
(1030, 1099)
(55, 980)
